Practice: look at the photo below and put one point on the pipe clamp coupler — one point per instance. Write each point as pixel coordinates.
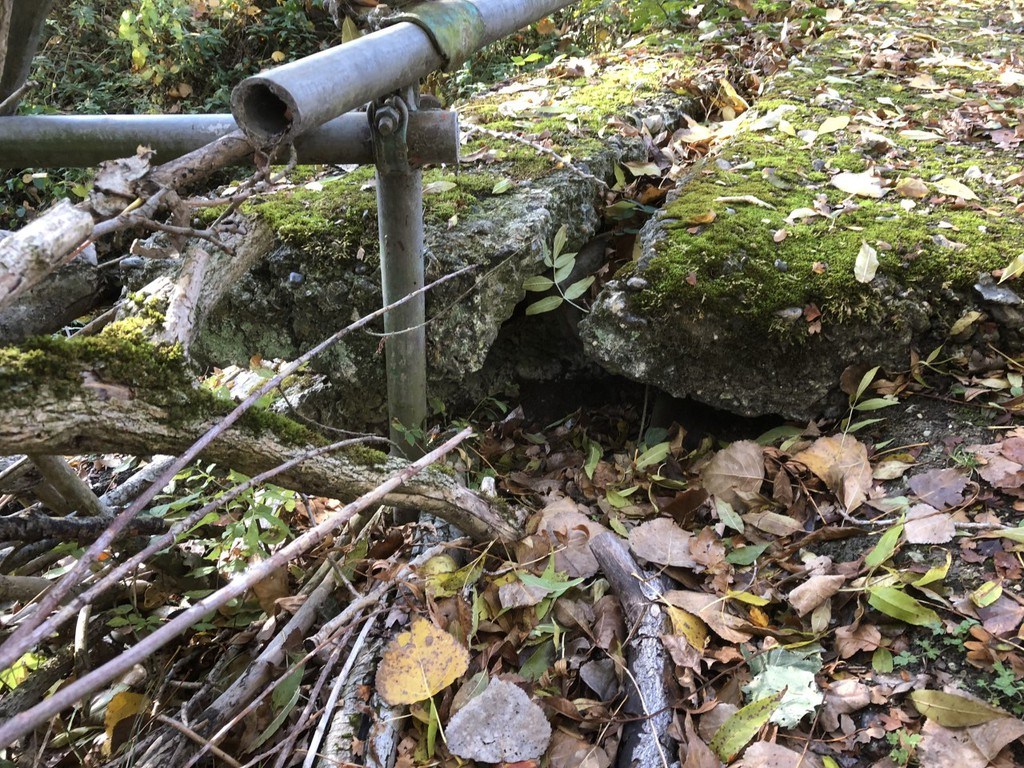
(455, 27)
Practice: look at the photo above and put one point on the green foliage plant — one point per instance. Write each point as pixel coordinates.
(562, 265)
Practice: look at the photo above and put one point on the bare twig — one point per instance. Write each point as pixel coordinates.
(112, 577)
(325, 717)
(25, 638)
(73, 488)
(23, 722)
(184, 729)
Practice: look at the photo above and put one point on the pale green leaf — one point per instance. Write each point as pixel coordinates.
(885, 548)
(560, 237)
(546, 304)
(578, 288)
(653, 455)
(562, 272)
(538, 283)
(899, 605)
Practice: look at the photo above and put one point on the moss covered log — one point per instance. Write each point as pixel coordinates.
(117, 392)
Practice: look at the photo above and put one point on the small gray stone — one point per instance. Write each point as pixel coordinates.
(997, 294)
(636, 284)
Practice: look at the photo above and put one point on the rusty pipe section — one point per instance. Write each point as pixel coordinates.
(59, 141)
(290, 100)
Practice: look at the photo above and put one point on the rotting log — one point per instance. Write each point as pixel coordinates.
(67, 397)
(53, 239)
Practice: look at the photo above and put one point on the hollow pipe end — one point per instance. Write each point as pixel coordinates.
(264, 111)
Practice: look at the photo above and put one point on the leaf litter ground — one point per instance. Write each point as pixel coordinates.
(842, 596)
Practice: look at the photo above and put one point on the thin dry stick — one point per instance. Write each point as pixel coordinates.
(352, 609)
(112, 577)
(67, 482)
(287, 747)
(317, 589)
(325, 718)
(199, 740)
(24, 722)
(31, 633)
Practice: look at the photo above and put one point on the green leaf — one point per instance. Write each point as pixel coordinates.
(565, 258)
(861, 424)
(898, 604)
(881, 660)
(742, 726)
(437, 187)
(562, 272)
(594, 454)
(653, 455)
(560, 237)
(865, 380)
(952, 711)
(578, 288)
(503, 186)
(779, 433)
(538, 283)
(729, 517)
(885, 548)
(876, 403)
(745, 555)
(284, 697)
(546, 304)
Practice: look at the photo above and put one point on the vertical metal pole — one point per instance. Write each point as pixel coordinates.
(400, 223)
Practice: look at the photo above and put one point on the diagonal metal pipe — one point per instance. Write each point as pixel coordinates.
(66, 141)
(283, 103)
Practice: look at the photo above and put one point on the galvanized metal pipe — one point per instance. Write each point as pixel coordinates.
(400, 205)
(66, 141)
(293, 99)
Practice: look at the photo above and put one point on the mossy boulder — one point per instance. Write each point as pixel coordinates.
(538, 163)
(747, 293)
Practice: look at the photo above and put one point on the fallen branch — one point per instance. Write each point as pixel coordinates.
(34, 526)
(75, 490)
(645, 741)
(103, 399)
(23, 722)
(55, 237)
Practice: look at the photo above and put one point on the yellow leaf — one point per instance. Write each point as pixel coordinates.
(546, 26)
(689, 626)
(278, 56)
(833, 124)
(419, 663)
(948, 186)
(118, 721)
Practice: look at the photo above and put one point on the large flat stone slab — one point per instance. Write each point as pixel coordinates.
(880, 141)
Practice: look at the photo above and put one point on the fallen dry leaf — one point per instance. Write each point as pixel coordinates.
(866, 184)
(735, 474)
(926, 525)
(663, 542)
(842, 463)
(419, 663)
(813, 592)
